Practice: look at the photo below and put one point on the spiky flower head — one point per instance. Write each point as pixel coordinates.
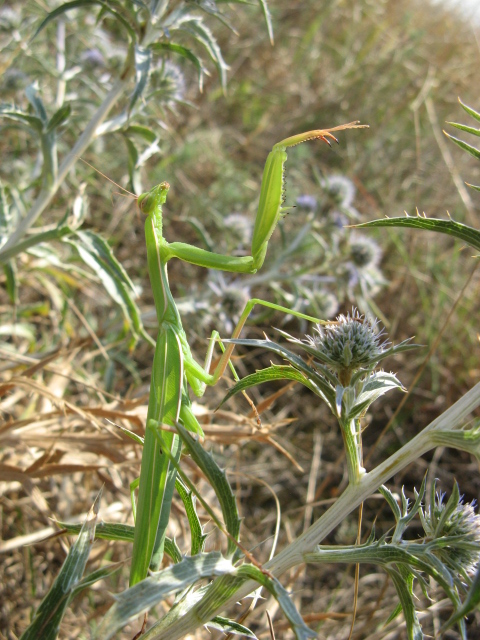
(457, 528)
(324, 303)
(168, 82)
(339, 188)
(352, 342)
(232, 298)
(364, 251)
(307, 202)
(240, 226)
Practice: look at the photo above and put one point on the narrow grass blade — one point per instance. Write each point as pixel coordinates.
(268, 19)
(123, 532)
(450, 227)
(46, 623)
(219, 482)
(196, 529)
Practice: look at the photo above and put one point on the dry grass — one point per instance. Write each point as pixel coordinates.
(396, 65)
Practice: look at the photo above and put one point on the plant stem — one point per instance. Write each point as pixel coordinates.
(354, 495)
(11, 247)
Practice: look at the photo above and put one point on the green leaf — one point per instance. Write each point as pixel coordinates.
(97, 254)
(268, 19)
(374, 387)
(472, 186)
(32, 94)
(464, 127)
(144, 132)
(404, 588)
(132, 164)
(471, 602)
(219, 482)
(79, 4)
(473, 151)
(149, 592)
(123, 532)
(202, 34)
(58, 118)
(48, 617)
(463, 232)
(185, 53)
(143, 61)
(32, 121)
(272, 584)
(327, 391)
(230, 626)
(196, 529)
(275, 372)
(10, 272)
(470, 111)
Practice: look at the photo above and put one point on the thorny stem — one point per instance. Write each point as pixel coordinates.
(11, 248)
(351, 498)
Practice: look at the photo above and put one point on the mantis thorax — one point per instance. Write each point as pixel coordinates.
(150, 203)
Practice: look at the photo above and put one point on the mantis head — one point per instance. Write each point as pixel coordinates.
(149, 201)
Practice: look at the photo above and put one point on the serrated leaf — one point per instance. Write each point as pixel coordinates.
(473, 151)
(376, 386)
(278, 591)
(202, 34)
(58, 118)
(471, 602)
(275, 372)
(219, 482)
(297, 362)
(185, 53)
(390, 498)
(143, 61)
(149, 592)
(32, 121)
(449, 227)
(48, 617)
(78, 4)
(470, 111)
(32, 94)
(464, 127)
(97, 254)
(405, 595)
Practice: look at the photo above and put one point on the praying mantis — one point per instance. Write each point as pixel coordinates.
(174, 367)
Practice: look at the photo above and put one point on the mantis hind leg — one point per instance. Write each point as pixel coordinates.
(227, 352)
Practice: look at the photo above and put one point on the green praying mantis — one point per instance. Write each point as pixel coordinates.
(174, 367)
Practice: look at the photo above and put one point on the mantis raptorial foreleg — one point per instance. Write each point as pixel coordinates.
(174, 364)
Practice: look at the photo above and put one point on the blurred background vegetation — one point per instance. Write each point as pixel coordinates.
(71, 364)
